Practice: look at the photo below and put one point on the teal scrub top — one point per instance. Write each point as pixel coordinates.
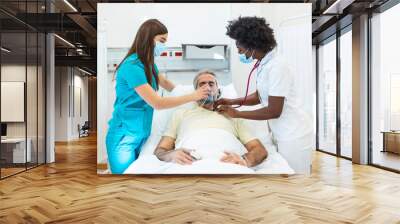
(131, 112)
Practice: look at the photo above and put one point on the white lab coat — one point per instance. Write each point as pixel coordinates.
(292, 131)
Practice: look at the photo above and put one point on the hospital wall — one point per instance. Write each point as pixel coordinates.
(186, 23)
(204, 24)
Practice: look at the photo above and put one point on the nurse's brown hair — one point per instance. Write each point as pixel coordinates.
(143, 46)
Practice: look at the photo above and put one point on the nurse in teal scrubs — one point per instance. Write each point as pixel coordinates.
(137, 82)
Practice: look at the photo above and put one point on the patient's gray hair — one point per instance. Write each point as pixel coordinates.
(202, 72)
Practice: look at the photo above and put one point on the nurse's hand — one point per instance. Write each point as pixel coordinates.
(234, 158)
(227, 111)
(181, 156)
(201, 93)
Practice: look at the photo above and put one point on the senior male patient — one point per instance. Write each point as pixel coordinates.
(215, 131)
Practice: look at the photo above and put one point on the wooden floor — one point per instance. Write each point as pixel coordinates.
(10, 171)
(70, 191)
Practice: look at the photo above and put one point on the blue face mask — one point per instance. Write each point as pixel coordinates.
(159, 48)
(244, 59)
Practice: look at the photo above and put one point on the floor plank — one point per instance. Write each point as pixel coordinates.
(70, 191)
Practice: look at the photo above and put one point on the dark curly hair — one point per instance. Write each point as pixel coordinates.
(252, 33)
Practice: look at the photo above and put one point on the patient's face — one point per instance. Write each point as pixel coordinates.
(209, 81)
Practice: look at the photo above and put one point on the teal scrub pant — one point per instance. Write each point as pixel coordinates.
(123, 148)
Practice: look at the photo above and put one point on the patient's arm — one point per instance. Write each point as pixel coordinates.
(165, 152)
(255, 155)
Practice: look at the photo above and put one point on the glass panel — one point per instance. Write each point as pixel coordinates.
(346, 94)
(327, 97)
(23, 87)
(386, 89)
(13, 86)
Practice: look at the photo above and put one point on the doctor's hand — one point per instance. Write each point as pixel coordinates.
(228, 111)
(201, 93)
(224, 101)
(234, 158)
(181, 156)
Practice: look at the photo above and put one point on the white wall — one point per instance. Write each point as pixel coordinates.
(199, 23)
(203, 24)
(68, 82)
(61, 103)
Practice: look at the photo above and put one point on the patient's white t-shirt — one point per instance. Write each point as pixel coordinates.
(185, 121)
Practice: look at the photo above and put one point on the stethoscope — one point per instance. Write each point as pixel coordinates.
(248, 84)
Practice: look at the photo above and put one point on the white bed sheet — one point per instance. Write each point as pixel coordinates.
(150, 164)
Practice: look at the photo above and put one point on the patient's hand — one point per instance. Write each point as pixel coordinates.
(234, 158)
(181, 156)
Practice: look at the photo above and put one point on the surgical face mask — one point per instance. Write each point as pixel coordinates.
(159, 48)
(244, 59)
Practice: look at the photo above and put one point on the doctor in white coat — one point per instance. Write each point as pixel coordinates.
(290, 125)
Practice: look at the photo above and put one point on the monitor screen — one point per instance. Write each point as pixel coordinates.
(3, 129)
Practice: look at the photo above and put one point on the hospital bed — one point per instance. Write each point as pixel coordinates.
(148, 163)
